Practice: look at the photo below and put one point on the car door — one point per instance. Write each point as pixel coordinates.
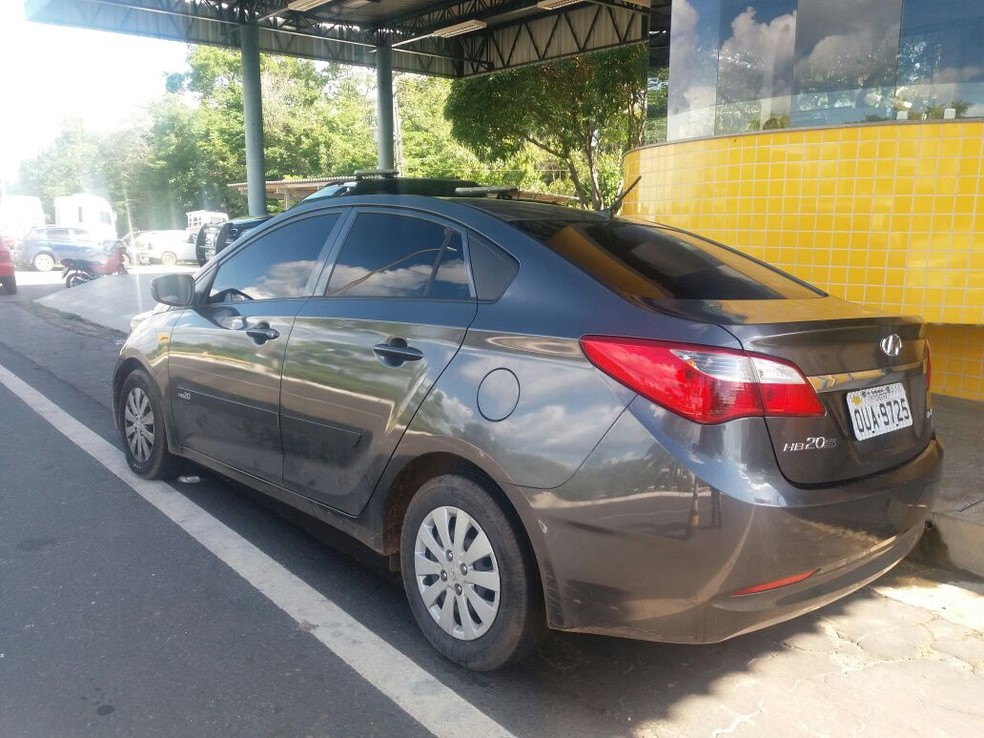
(226, 355)
(73, 243)
(362, 357)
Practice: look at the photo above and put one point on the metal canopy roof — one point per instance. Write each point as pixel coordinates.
(448, 38)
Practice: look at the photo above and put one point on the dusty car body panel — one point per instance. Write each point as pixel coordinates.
(656, 517)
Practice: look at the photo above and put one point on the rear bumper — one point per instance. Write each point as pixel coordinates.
(643, 548)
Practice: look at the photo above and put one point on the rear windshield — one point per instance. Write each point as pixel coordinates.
(657, 262)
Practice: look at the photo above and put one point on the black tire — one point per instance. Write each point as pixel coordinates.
(75, 279)
(141, 423)
(201, 247)
(9, 285)
(472, 635)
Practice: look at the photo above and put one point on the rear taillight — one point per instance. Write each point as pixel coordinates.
(704, 383)
(4, 256)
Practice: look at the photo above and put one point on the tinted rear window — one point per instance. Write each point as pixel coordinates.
(656, 262)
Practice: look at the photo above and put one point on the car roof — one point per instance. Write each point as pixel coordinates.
(428, 186)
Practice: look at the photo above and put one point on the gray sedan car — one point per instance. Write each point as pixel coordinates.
(553, 418)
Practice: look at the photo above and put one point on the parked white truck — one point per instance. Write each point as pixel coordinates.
(19, 214)
(91, 212)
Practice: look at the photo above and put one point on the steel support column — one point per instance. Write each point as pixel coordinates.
(384, 107)
(253, 118)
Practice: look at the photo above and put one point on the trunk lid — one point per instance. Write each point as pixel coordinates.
(878, 410)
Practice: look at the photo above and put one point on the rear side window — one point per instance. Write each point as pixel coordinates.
(388, 255)
(492, 268)
(660, 263)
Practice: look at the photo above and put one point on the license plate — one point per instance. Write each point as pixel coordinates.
(878, 410)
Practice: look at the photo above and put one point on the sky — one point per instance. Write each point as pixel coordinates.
(50, 73)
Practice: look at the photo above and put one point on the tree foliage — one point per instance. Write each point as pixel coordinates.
(584, 112)
(542, 128)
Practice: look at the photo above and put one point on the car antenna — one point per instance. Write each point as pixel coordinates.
(616, 205)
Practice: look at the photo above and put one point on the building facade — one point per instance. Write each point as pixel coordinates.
(841, 140)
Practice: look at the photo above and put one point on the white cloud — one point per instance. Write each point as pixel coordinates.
(756, 61)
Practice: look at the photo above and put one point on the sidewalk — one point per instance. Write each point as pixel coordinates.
(954, 540)
(956, 537)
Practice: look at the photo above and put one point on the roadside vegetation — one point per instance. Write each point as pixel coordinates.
(561, 127)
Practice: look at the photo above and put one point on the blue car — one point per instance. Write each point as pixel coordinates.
(44, 248)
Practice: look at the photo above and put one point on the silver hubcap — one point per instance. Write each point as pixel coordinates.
(457, 574)
(138, 425)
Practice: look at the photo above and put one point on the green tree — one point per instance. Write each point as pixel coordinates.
(584, 113)
(350, 119)
(316, 121)
(72, 163)
(657, 100)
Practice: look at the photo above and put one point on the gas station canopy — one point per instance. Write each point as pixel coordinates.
(433, 37)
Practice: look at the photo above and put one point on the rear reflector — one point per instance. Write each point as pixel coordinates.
(776, 584)
(704, 383)
(929, 367)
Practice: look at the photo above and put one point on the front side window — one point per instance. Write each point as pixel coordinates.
(278, 265)
(386, 255)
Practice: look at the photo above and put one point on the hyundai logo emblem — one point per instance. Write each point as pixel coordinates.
(891, 345)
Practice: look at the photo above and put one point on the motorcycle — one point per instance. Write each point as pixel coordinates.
(110, 260)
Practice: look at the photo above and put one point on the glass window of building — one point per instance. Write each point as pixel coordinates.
(755, 65)
(745, 65)
(846, 60)
(941, 60)
(695, 27)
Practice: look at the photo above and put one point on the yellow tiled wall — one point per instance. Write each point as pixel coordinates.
(958, 360)
(888, 214)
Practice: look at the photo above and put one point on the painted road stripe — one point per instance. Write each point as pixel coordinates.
(420, 695)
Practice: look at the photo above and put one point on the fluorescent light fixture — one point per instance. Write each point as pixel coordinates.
(460, 28)
(556, 4)
(301, 5)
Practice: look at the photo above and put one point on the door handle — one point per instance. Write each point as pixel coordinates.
(262, 332)
(396, 351)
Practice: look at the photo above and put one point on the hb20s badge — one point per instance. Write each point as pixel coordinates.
(813, 443)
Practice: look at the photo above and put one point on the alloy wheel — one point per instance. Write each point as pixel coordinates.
(138, 425)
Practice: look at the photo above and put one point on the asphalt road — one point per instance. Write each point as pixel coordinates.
(198, 609)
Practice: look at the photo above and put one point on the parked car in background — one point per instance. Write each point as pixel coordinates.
(43, 248)
(164, 247)
(214, 237)
(548, 416)
(8, 276)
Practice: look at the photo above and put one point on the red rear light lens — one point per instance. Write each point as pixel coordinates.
(704, 383)
(767, 586)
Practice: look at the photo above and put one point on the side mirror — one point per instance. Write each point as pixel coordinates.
(174, 289)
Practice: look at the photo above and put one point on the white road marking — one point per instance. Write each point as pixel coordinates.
(432, 704)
